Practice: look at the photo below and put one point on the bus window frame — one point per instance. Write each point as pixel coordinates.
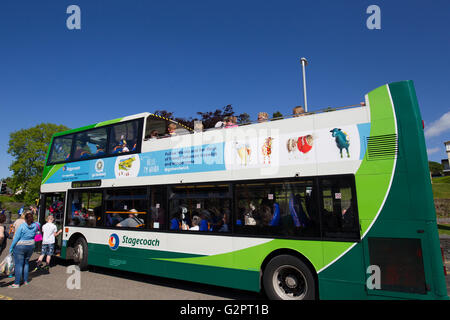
(232, 221)
(69, 199)
(351, 179)
(147, 208)
(107, 155)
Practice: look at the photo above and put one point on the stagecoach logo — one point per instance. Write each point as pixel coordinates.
(127, 166)
(113, 241)
(99, 165)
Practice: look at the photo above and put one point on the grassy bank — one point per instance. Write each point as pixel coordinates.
(441, 187)
(441, 194)
(444, 229)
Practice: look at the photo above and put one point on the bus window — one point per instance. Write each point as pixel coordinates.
(126, 208)
(90, 144)
(155, 127)
(278, 208)
(339, 210)
(85, 209)
(61, 149)
(124, 137)
(200, 208)
(157, 208)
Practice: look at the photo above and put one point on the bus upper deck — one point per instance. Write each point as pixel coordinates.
(112, 151)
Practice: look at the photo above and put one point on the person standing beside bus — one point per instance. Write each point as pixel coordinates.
(17, 223)
(3, 234)
(22, 248)
(50, 232)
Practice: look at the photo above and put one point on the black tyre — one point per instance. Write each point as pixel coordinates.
(80, 254)
(288, 278)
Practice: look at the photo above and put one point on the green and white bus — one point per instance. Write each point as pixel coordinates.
(326, 205)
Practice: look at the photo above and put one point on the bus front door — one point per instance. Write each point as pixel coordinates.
(53, 204)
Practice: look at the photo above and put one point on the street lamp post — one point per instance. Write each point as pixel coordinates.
(304, 64)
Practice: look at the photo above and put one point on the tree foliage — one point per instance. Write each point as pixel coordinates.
(277, 115)
(435, 168)
(208, 118)
(29, 148)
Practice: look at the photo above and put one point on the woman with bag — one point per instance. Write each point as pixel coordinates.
(38, 238)
(22, 248)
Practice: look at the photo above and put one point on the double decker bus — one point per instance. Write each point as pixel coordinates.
(326, 205)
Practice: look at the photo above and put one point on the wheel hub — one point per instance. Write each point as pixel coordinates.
(291, 281)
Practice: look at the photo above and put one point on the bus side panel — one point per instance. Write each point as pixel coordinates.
(345, 279)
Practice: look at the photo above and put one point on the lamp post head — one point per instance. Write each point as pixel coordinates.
(304, 61)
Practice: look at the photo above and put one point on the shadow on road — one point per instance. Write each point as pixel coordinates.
(226, 293)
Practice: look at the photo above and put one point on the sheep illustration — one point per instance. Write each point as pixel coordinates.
(342, 140)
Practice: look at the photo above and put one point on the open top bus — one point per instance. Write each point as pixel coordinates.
(329, 205)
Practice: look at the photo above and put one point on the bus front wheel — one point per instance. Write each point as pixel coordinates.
(288, 278)
(81, 253)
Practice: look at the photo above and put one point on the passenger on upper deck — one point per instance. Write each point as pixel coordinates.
(198, 126)
(154, 134)
(298, 111)
(263, 116)
(171, 129)
(231, 122)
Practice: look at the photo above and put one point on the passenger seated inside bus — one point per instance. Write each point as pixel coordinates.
(79, 152)
(195, 223)
(347, 219)
(100, 151)
(175, 221)
(121, 147)
(125, 147)
(296, 209)
(158, 217)
(112, 219)
(270, 212)
(133, 221)
(205, 223)
(222, 224)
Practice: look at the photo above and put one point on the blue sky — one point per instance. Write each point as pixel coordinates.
(188, 56)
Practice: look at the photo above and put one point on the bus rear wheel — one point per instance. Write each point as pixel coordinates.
(80, 253)
(288, 278)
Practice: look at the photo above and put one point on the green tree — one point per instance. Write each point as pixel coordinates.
(435, 168)
(277, 115)
(29, 148)
(244, 118)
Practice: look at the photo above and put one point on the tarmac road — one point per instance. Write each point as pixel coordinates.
(107, 284)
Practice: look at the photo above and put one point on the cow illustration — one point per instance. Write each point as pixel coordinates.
(342, 140)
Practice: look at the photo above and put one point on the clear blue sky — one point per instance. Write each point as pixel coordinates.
(188, 56)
